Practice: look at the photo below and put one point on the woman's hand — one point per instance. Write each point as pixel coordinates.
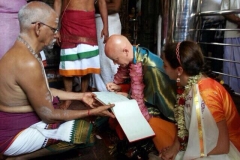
(170, 153)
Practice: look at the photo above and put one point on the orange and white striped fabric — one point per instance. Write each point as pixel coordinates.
(79, 61)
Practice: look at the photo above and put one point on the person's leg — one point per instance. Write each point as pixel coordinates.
(68, 87)
(84, 82)
(50, 150)
(81, 137)
(164, 133)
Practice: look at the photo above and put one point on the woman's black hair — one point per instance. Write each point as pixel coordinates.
(191, 60)
(191, 57)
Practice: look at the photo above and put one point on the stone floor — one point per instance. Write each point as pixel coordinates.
(98, 152)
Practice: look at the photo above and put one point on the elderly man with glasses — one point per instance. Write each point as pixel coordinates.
(31, 124)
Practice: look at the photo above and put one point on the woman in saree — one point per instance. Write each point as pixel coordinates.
(207, 121)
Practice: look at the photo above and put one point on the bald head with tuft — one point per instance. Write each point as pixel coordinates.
(33, 12)
(38, 23)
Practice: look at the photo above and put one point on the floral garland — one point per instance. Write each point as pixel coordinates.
(134, 71)
(137, 87)
(179, 110)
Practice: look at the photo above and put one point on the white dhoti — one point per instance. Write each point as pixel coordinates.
(79, 61)
(37, 135)
(108, 68)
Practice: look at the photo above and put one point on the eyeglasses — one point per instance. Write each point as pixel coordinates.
(55, 30)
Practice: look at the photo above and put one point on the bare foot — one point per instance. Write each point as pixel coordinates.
(65, 104)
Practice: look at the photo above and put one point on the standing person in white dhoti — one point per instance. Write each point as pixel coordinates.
(108, 68)
(232, 53)
(30, 124)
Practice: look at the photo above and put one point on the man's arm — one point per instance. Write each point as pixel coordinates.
(104, 15)
(57, 6)
(226, 5)
(233, 18)
(40, 98)
(88, 98)
(69, 96)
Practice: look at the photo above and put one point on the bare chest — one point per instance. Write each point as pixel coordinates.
(83, 5)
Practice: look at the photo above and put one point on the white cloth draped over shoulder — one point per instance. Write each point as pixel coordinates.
(203, 131)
